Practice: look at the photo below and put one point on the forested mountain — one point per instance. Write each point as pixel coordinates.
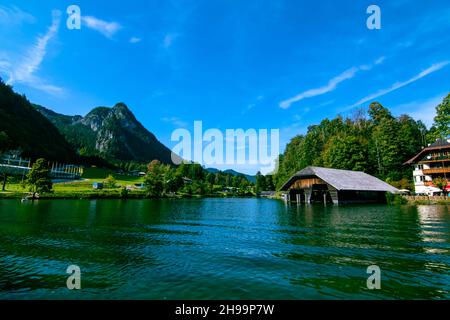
(22, 127)
(375, 142)
(233, 173)
(111, 133)
(104, 136)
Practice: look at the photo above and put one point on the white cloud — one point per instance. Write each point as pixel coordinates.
(398, 85)
(252, 105)
(331, 86)
(169, 39)
(175, 121)
(248, 107)
(24, 71)
(108, 29)
(12, 16)
(5, 68)
(135, 40)
(326, 103)
(424, 110)
(380, 60)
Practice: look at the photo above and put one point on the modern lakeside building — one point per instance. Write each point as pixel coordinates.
(431, 163)
(324, 185)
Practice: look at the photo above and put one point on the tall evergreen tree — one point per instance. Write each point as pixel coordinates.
(38, 179)
(260, 182)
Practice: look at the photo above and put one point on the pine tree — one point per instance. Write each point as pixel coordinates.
(38, 179)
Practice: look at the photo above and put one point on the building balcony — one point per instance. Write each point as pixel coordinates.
(436, 171)
(426, 161)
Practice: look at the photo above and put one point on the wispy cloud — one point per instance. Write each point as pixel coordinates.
(175, 121)
(24, 72)
(326, 103)
(398, 85)
(108, 29)
(12, 16)
(252, 105)
(380, 60)
(169, 39)
(5, 68)
(135, 40)
(330, 86)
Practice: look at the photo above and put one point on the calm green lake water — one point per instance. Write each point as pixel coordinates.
(221, 249)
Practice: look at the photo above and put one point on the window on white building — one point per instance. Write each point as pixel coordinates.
(420, 179)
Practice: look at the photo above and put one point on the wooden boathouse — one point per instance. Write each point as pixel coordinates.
(324, 185)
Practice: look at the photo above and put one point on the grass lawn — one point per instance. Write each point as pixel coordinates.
(82, 188)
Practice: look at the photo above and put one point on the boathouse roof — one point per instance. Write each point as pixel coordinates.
(342, 180)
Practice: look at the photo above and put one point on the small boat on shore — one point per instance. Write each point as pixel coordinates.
(30, 196)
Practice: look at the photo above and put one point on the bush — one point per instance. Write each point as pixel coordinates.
(110, 182)
(124, 193)
(395, 199)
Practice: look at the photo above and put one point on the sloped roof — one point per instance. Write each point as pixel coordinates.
(437, 145)
(440, 143)
(343, 179)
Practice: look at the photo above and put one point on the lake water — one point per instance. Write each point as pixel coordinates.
(222, 249)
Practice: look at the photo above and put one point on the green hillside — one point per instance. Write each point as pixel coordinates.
(22, 127)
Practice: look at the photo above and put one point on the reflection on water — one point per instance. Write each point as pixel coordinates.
(222, 249)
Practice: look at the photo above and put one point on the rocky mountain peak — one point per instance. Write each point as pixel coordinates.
(111, 133)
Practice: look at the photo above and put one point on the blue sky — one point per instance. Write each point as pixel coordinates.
(229, 63)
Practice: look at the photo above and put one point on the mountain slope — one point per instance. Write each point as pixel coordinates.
(25, 128)
(112, 133)
(79, 136)
(233, 173)
(247, 176)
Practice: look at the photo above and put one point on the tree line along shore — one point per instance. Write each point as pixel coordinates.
(159, 181)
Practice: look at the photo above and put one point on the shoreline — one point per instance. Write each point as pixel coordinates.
(430, 202)
(115, 195)
(111, 196)
(427, 200)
